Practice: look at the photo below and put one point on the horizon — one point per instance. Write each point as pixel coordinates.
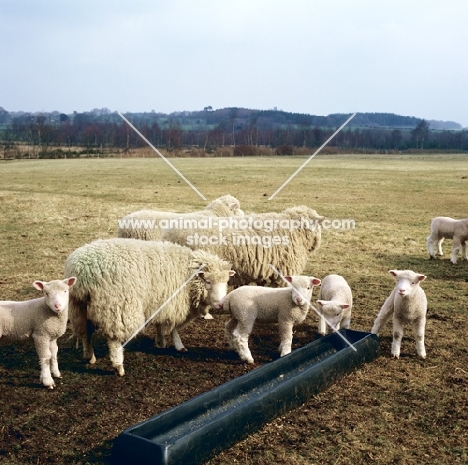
(211, 110)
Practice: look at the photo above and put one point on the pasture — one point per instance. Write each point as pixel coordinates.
(403, 411)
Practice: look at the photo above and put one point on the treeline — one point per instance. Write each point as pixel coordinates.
(242, 129)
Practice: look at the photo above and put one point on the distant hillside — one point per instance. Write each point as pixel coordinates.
(263, 119)
(243, 131)
(239, 118)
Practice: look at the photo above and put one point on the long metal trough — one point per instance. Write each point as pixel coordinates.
(195, 431)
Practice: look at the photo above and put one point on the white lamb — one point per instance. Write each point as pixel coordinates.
(284, 241)
(443, 227)
(407, 303)
(123, 282)
(335, 304)
(145, 224)
(43, 319)
(285, 306)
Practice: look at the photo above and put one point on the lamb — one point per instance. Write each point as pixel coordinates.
(286, 306)
(43, 319)
(258, 244)
(335, 302)
(443, 227)
(123, 283)
(130, 226)
(407, 303)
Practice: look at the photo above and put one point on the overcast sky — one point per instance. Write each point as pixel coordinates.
(408, 57)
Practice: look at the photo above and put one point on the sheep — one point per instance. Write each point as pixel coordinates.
(258, 244)
(43, 319)
(145, 224)
(407, 303)
(123, 283)
(335, 302)
(286, 306)
(443, 227)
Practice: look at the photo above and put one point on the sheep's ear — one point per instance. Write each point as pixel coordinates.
(321, 302)
(233, 206)
(421, 277)
(316, 281)
(288, 279)
(39, 285)
(232, 272)
(70, 281)
(343, 306)
(393, 272)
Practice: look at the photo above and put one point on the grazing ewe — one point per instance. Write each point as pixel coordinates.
(44, 319)
(335, 304)
(145, 224)
(286, 306)
(443, 227)
(122, 283)
(407, 303)
(283, 240)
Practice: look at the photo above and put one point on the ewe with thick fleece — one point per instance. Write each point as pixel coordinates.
(123, 282)
(335, 302)
(281, 242)
(130, 226)
(443, 227)
(285, 306)
(407, 303)
(44, 319)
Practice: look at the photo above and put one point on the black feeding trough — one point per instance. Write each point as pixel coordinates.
(195, 431)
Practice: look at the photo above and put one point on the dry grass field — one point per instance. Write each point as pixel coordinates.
(407, 411)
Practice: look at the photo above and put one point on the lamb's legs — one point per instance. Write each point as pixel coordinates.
(241, 340)
(419, 327)
(463, 248)
(397, 337)
(346, 323)
(43, 351)
(229, 328)
(54, 368)
(439, 247)
(456, 248)
(116, 355)
(322, 326)
(385, 314)
(286, 335)
(430, 246)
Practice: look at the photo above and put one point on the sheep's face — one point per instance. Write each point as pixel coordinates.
(332, 311)
(302, 288)
(56, 293)
(406, 281)
(216, 285)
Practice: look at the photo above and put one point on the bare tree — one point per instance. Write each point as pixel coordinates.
(420, 133)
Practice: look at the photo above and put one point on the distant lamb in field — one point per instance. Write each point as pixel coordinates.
(443, 227)
(132, 225)
(407, 303)
(285, 306)
(335, 302)
(43, 319)
(283, 241)
(123, 282)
